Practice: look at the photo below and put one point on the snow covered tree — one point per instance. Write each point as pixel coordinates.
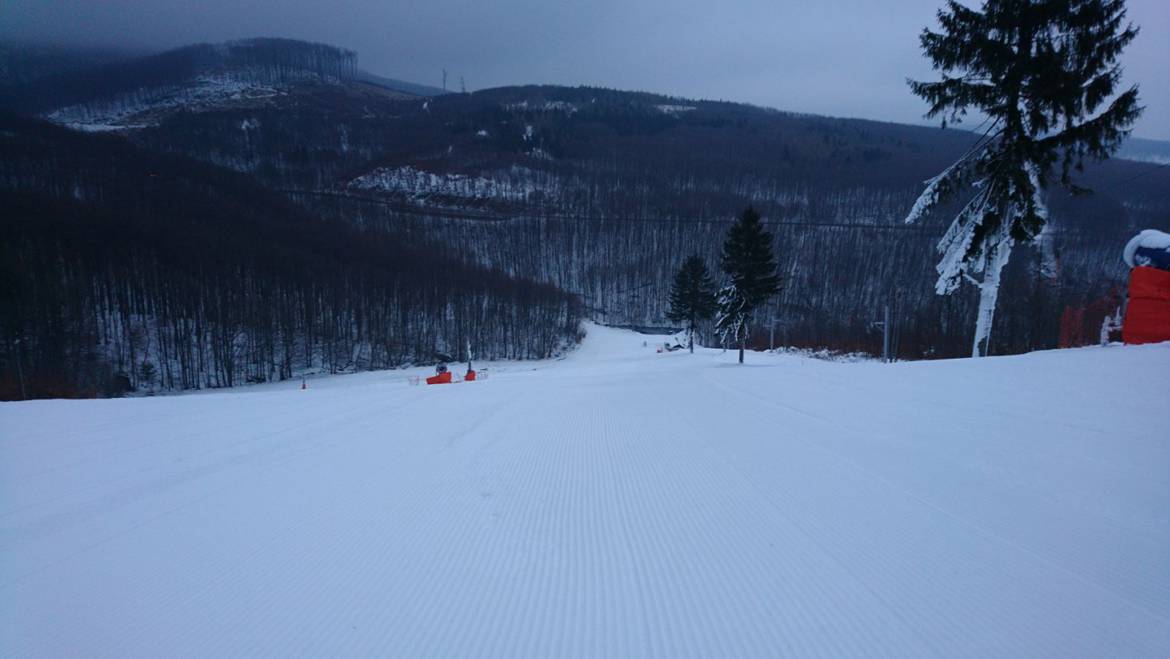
(751, 271)
(1038, 70)
(692, 297)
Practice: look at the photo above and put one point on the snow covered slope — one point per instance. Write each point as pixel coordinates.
(617, 503)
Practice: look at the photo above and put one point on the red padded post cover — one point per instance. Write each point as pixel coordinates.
(1147, 316)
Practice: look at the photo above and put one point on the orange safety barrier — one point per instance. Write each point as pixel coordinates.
(1147, 316)
(440, 378)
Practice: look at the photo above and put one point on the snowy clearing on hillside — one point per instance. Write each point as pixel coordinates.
(548, 106)
(615, 503)
(428, 188)
(141, 109)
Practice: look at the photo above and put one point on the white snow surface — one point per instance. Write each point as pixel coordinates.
(615, 503)
(422, 187)
(547, 106)
(129, 111)
(674, 109)
(1147, 238)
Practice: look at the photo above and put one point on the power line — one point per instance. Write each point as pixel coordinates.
(1141, 174)
(1160, 196)
(407, 209)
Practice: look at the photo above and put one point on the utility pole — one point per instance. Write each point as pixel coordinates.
(444, 79)
(885, 323)
(886, 335)
(772, 332)
(783, 325)
(20, 371)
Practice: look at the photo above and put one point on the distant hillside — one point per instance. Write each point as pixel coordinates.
(120, 93)
(399, 85)
(1155, 151)
(129, 269)
(602, 193)
(117, 92)
(23, 63)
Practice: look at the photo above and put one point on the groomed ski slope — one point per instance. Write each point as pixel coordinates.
(617, 503)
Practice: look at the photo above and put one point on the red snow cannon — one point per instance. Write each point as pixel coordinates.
(441, 376)
(1147, 314)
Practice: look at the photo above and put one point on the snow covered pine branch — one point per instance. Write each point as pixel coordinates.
(1037, 71)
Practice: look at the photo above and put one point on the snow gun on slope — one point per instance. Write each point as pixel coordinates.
(1147, 314)
(470, 376)
(443, 374)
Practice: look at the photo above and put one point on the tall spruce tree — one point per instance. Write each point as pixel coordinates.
(751, 271)
(692, 297)
(1038, 70)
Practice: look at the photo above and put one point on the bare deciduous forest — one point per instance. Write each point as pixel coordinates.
(123, 270)
(315, 220)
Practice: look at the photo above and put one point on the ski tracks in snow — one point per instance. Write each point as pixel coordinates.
(954, 578)
(582, 509)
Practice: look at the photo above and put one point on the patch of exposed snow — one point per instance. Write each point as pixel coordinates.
(104, 128)
(1148, 157)
(559, 106)
(139, 109)
(417, 186)
(824, 354)
(674, 110)
(547, 106)
(1148, 241)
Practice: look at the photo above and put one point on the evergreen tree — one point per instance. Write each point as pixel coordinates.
(692, 297)
(751, 271)
(146, 374)
(1037, 70)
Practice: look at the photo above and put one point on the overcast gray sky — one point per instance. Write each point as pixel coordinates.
(836, 57)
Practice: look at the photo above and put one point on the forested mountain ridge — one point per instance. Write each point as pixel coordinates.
(124, 268)
(24, 63)
(602, 194)
(133, 92)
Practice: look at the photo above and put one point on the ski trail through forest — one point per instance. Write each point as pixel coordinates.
(618, 502)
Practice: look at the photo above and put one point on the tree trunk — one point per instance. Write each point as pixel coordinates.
(988, 295)
(741, 345)
(691, 339)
